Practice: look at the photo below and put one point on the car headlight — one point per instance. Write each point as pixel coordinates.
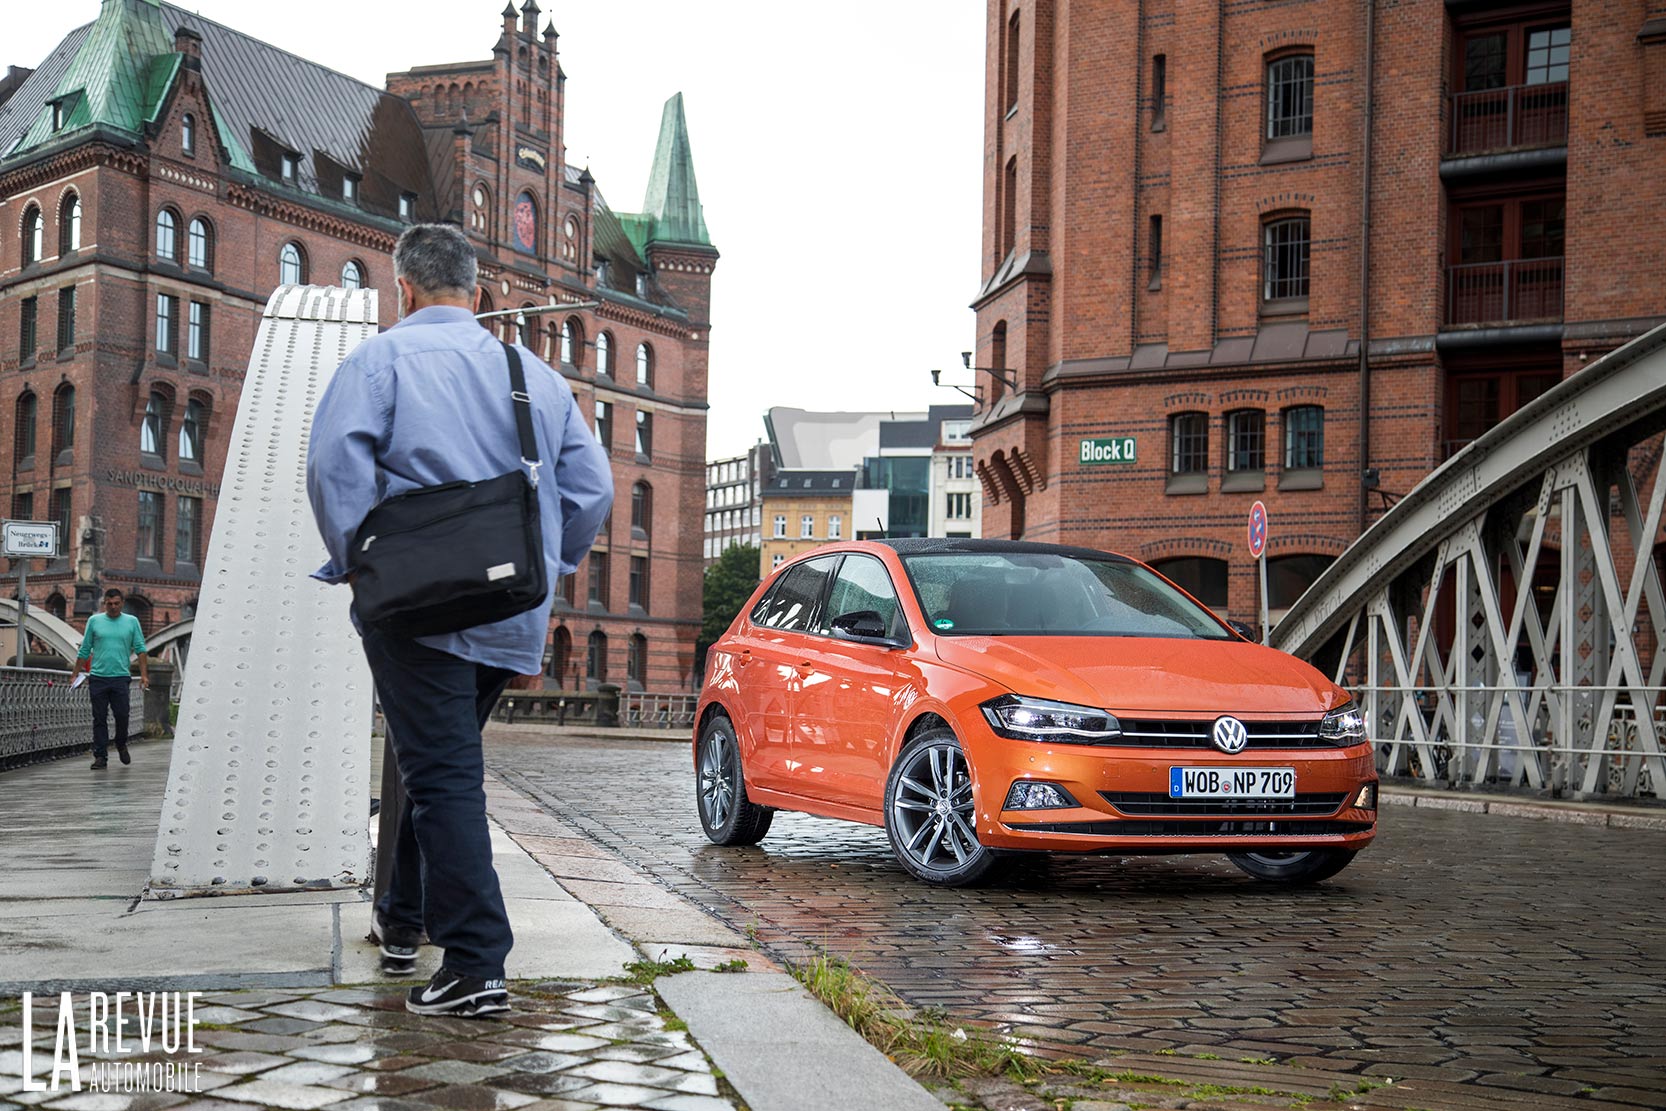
(1038, 719)
(1343, 726)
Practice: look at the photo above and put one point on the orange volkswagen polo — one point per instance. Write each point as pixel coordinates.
(979, 698)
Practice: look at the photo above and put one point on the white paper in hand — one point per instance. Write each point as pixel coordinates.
(78, 680)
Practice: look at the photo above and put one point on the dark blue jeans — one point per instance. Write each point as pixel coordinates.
(108, 694)
(441, 873)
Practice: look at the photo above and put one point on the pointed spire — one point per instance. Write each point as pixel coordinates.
(549, 30)
(673, 198)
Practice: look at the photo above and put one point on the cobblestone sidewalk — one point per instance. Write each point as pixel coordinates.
(564, 1047)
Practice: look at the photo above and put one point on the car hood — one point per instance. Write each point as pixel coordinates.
(1147, 675)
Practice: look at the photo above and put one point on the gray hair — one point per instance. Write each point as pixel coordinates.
(437, 259)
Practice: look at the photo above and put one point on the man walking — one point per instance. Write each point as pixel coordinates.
(425, 403)
(107, 648)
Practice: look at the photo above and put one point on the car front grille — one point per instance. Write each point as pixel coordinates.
(1142, 803)
(1136, 828)
(1158, 733)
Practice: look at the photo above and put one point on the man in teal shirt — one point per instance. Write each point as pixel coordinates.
(112, 639)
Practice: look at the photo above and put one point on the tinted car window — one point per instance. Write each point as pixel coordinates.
(791, 605)
(862, 584)
(1036, 594)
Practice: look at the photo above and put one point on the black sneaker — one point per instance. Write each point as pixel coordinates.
(100, 762)
(451, 993)
(398, 945)
(121, 750)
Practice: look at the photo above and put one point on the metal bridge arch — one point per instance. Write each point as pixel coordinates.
(57, 634)
(1433, 617)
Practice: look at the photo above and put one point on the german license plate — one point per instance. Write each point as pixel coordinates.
(1232, 783)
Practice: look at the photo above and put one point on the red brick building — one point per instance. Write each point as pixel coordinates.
(1189, 207)
(161, 173)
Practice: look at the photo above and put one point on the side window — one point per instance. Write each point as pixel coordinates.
(792, 605)
(863, 584)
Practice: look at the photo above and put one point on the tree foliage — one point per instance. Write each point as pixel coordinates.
(729, 583)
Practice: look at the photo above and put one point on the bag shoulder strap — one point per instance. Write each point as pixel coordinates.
(523, 411)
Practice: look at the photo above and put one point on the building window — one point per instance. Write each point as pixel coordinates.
(292, 265)
(1203, 578)
(604, 354)
(780, 526)
(595, 671)
(644, 365)
(151, 429)
(1290, 97)
(66, 320)
(1014, 37)
(407, 206)
(806, 527)
(57, 115)
(167, 236)
(149, 533)
(27, 341)
(525, 223)
(187, 134)
(23, 509)
(196, 336)
(1284, 263)
(959, 507)
(604, 424)
(69, 224)
(167, 324)
(352, 275)
(188, 531)
(644, 434)
(569, 240)
(63, 421)
(1156, 281)
(636, 665)
(289, 168)
(34, 235)
(349, 188)
(598, 579)
(191, 431)
(1510, 263)
(1159, 91)
(639, 582)
(776, 560)
(1009, 210)
(1547, 55)
(642, 509)
(835, 526)
(1188, 443)
(567, 343)
(1304, 438)
(23, 431)
(62, 509)
(1246, 440)
(198, 249)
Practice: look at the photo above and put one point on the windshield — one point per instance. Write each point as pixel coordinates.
(1046, 594)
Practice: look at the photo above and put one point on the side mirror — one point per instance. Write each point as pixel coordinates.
(863, 625)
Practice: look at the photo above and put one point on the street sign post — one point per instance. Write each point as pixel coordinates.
(1258, 549)
(23, 541)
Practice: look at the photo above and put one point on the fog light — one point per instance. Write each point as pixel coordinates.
(1367, 797)
(1027, 794)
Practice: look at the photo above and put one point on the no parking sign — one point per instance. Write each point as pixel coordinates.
(1258, 549)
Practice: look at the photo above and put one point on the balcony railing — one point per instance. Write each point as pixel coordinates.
(1514, 117)
(1515, 291)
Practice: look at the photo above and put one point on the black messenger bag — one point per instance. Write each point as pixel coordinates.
(442, 558)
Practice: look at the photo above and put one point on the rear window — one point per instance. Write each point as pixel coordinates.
(1048, 594)
(791, 603)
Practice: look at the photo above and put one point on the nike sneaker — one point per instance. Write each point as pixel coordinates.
(398, 945)
(452, 993)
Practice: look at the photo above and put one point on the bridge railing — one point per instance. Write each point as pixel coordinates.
(42, 718)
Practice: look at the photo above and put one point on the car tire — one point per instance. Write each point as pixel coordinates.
(727, 815)
(1293, 868)
(929, 815)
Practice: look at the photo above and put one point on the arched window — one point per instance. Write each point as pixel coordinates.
(352, 274)
(188, 134)
(1290, 97)
(167, 235)
(292, 265)
(1014, 37)
(524, 326)
(561, 647)
(595, 670)
(1289, 576)
(63, 419)
(998, 359)
(33, 233)
(604, 354)
(155, 422)
(56, 604)
(482, 205)
(486, 307)
(572, 342)
(644, 365)
(139, 606)
(1304, 438)
(1284, 262)
(192, 430)
(199, 246)
(1189, 443)
(1201, 577)
(69, 223)
(569, 244)
(526, 224)
(642, 510)
(1009, 208)
(23, 431)
(636, 663)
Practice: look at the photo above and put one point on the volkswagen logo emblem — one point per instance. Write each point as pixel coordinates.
(1229, 735)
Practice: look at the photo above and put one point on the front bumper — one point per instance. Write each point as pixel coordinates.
(1124, 804)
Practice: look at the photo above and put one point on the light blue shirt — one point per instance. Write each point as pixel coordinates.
(427, 402)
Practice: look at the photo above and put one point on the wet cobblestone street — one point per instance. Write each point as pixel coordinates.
(1483, 952)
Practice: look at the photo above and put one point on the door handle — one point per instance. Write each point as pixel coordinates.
(744, 657)
(805, 667)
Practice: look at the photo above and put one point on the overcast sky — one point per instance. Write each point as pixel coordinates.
(839, 160)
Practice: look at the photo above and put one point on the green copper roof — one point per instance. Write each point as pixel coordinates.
(673, 195)
(116, 72)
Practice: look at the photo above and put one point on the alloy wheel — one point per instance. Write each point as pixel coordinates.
(718, 776)
(932, 810)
